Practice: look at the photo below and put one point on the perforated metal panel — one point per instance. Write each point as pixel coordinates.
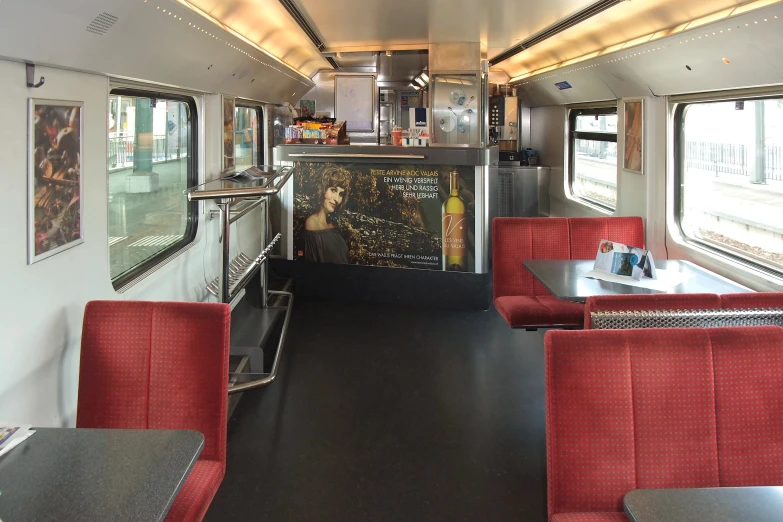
(623, 319)
(505, 194)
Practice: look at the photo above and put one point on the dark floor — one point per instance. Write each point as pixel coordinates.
(390, 413)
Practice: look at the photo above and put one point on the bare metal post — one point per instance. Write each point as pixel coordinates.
(759, 173)
(264, 276)
(225, 226)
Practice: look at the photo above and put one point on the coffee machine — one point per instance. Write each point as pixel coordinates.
(504, 127)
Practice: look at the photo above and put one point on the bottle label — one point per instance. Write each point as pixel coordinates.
(454, 234)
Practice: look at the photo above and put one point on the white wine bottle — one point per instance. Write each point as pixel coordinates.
(455, 233)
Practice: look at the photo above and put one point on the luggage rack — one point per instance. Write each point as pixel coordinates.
(236, 194)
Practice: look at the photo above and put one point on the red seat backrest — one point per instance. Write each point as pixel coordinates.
(650, 302)
(515, 240)
(587, 233)
(661, 408)
(156, 365)
(752, 300)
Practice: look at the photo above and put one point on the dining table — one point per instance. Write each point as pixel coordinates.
(756, 504)
(566, 280)
(67, 474)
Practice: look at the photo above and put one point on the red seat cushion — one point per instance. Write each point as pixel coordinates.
(197, 493)
(612, 516)
(587, 233)
(602, 303)
(753, 300)
(545, 310)
(515, 240)
(160, 365)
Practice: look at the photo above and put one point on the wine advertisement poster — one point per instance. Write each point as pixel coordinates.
(402, 216)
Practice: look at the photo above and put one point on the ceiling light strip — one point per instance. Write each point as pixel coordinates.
(203, 14)
(552, 30)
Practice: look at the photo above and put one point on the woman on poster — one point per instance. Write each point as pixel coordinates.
(323, 241)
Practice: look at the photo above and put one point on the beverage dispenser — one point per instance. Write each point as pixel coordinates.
(504, 127)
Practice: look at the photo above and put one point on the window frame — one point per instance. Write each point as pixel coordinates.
(151, 264)
(573, 135)
(244, 104)
(680, 107)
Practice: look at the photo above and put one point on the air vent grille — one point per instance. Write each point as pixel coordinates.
(102, 23)
(559, 27)
(332, 62)
(290, 6)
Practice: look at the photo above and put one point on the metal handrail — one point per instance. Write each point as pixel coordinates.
(340, 155)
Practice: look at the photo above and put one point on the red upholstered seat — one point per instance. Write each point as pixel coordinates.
(650, 302)
(753, 300)
(587, 233)
(148, 365)
(521, 311)
(655, 408)
(515, 240)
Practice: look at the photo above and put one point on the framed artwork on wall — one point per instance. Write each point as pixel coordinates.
(633, 143)
(306, 108)
(228, 132)
(54, 177)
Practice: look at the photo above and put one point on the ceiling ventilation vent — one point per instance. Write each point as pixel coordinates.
(102, 23)
(332, 62)
(559, 27)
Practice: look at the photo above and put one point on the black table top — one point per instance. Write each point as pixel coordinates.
(61, 474)
(565, 280)
(757, 504)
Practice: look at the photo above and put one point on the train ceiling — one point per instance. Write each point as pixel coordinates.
(345, 26)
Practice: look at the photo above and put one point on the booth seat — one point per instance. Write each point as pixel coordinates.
(609, 303)
(750, 300)
(147, 365)
(587, 232)
(659, 408)
(519, 298)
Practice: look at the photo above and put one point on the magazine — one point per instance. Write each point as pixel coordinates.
(11, 436)
(623, 260)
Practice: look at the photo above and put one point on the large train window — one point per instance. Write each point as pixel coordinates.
(248, 136)
(152, 160)
(730, 177)
(593, 152)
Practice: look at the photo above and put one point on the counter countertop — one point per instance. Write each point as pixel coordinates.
(433, 155)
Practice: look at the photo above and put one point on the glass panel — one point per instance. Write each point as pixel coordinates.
(597, 123)
(455, 109)
(246, 123)
(732, 177)
(595, 170)
(149, 168)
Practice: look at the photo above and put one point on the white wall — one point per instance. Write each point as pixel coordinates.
(41, 311)
(43, 305)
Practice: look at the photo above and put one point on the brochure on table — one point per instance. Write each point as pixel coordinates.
(12, 435)
(619, 263)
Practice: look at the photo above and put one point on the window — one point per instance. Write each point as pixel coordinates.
(593, 149)
(730, 177)
(247, 136)
(152, 160)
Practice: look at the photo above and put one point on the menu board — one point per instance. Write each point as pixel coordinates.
(354, 102)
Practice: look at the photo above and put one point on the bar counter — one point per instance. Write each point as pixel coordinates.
(396, 216)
